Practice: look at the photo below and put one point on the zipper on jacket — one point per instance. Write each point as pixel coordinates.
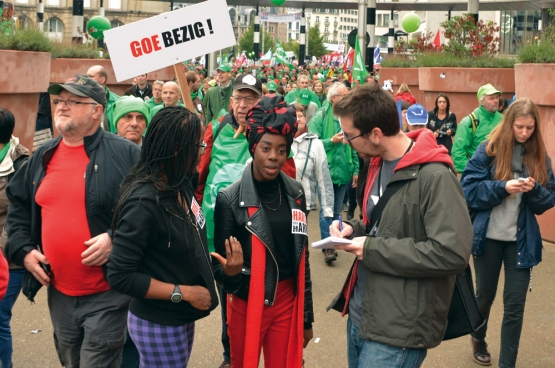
(96, 180)
(275, 261)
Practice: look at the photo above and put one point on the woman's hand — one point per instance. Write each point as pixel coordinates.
(528, 185)
(232, 264)
(197, 296)
(448, 132)
(334, 230)
(513, 186)
(308, 334)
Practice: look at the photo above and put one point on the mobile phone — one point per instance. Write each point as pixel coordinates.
(523, 180)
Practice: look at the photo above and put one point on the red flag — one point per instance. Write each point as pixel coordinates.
(437, 42)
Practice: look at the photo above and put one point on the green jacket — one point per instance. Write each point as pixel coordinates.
(466, 143)
(153, 104)
(424, 241)
(342, 168)
(157, 108)
(216, 99)
(109, 123)
(292, 97)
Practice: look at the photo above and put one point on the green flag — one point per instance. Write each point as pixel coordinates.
(281, 57)
(359, 69)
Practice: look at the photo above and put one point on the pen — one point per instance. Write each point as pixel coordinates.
(340, 223)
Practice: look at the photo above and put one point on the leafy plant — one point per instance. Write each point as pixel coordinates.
(76, 51)
(469, 39)
(26, 40)
(443, 59)
(541, 48)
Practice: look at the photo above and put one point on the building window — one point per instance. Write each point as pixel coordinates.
(25, 22)
(271, 29)
(54, 29)
(22, 2)
(87, 4)
(53, 2)
(115, 23)
(232, 15)
(114, 4)
(317, 18)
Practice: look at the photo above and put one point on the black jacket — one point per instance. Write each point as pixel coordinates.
(111, 158)
(151, 242)
(450, 123)
(232, 219)
(134, 91)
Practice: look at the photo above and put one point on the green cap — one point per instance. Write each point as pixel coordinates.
(272, 86)
(487, 90)
(224, 68)
(304, 97)
(127, 104)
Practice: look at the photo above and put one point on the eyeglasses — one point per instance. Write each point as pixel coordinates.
(248, 100)
(202, 146)
(350, 139)
(72, 103)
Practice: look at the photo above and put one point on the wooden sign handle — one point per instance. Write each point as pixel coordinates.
(182, 81)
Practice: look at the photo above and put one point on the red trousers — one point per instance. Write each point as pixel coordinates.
(275, 328)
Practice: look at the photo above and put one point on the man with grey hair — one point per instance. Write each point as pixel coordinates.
(156, 94)
(474, 128)
(170, 97)
(99, 74)
(302, 84)
(342, 160)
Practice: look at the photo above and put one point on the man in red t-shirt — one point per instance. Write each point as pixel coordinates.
(59, 221)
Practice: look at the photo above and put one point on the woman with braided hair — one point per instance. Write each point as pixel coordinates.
(261, 257)
(159, 253)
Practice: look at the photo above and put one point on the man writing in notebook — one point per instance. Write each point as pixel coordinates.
(399, 290)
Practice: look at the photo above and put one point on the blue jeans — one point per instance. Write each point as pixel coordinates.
(364, 353)
(338, 195)
(6, 305)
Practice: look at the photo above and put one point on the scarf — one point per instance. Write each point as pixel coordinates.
(329, 131)
(194, 95)
(4, 151)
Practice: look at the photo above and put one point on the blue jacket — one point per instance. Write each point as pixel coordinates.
(483, 193)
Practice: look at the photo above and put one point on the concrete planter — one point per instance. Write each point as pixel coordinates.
(400, 76)
(534, 81)
(22, 79)
(462, 84)
(62, 69)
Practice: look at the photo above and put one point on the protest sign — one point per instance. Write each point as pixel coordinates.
(334, 47)
(282, 18)
(169, 38)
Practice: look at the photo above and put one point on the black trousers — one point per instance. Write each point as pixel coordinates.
(487, 267)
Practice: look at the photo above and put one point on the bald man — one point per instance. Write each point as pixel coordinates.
(170, 95)
(99, 74)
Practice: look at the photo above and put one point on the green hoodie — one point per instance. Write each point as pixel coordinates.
(466, 143)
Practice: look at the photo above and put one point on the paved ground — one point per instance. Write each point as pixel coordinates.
(327, 349)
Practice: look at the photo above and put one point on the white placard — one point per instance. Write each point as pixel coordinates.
(282, 18)
(335, 47)
(169, 38)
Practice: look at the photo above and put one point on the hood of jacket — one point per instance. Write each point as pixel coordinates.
(425, 150)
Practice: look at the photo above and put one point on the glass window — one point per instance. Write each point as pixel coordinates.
(87, 4)
(53, 2)
(115, 23)
(54, 29)
(114, 4)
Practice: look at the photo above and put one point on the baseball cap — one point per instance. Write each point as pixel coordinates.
(83, 86)
(248, 81)
(127, 104)
(212, 83)
(417, 115)
(304, 97)
(224, 68)
(487, 90)
(272, 86)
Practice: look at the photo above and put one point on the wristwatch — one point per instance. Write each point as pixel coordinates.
(176, 296)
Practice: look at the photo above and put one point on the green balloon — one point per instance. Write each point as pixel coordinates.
(96, 27)
(411, 22)
(278, 2)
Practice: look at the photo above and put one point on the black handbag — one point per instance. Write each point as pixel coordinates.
(464, 316)
(31, 286)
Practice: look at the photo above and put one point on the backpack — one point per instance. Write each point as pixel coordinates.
(474, 122)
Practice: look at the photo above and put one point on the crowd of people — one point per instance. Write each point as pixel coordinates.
(173, 212)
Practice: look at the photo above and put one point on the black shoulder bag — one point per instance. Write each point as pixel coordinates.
(464, 317)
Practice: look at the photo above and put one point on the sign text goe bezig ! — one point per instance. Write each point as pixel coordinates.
(176, 36)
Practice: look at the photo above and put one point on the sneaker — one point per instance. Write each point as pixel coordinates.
(480, 351)
(331, 255)
(345, 207)
(350, 214)
(225, 365)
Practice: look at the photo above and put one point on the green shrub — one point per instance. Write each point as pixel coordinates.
(76, 51)
(26, 40)
(542, 50)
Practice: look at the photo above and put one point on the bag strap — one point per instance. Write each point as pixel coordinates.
(390, 190)
(475, 122)
(307, 157)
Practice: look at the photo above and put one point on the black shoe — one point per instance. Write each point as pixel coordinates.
(480, 351)
(331, 255)
(350, 214)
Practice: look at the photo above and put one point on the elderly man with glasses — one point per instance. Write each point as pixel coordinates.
(342, 160)
(63, 203)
